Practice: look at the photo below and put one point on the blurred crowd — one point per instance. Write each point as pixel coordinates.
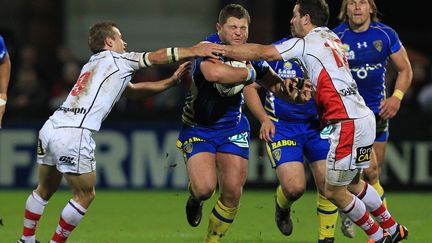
(37, 88)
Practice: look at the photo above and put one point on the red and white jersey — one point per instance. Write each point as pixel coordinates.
(100, 85)
(336, 92)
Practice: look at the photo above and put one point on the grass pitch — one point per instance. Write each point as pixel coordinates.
(159, 217)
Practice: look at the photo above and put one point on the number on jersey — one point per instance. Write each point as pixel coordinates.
(338, 52)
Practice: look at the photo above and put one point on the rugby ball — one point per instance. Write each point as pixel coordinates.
(231, 89)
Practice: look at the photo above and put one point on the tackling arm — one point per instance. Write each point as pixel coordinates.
(252, 52)
(289, 89)
(174, 54)
(147, 89)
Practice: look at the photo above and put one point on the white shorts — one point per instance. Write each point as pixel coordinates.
(71, 150)
(350, 149)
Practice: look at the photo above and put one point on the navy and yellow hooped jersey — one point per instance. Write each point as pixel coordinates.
(204, 106)
(367, 53)
(278, 108)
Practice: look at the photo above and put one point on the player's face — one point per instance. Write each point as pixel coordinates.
(235, 31)
(359, 12)
(296, 22)
(118, 45)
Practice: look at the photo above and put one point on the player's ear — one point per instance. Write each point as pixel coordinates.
(218, 27)
(109, 42)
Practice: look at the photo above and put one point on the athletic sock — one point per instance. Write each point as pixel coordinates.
(34, 208)
(281, 200)
(327, 216)
(356, 211)
(221, 219)
(372, 200)
(70, 217)
(381, 192)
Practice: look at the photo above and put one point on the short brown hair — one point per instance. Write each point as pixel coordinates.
(98, 33)
(317, 10)
(233, 10)
(343, 11)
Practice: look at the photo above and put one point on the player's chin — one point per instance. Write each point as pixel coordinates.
(237, 42)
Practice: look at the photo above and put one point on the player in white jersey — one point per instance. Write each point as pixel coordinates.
(339, 105)
(66, 147)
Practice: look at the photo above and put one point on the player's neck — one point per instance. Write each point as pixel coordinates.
(358, 28)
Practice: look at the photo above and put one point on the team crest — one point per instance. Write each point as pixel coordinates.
(187, 148)
(378, 45)
(277, 154)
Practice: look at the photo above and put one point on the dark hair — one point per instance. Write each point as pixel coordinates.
(233, 10)
(343, 11)
(318, 11)
(98, 33)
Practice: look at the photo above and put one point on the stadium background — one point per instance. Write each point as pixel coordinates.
(140, 171)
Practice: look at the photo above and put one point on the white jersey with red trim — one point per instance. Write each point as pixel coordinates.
(336, 92)
(100, 85)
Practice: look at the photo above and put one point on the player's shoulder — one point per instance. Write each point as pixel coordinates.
(341, 28)
(281, 40)
(213, 38)
(382, 28)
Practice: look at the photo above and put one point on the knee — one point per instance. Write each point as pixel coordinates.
(293, 193)
(203, 192)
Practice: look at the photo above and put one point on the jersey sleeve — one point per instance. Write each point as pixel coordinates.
(395, 43)
(3, 49)
(292, 48)
(133, 60)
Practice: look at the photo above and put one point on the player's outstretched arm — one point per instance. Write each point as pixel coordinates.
(174, 54)
(146, 89)
(5, 70)
(251, 52)
(288, 89)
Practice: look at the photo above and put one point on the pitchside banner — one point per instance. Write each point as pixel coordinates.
(144, 155)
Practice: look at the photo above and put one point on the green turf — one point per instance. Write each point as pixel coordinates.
(157, 216)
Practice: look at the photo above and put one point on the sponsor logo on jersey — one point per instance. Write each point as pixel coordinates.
(350, 54)
(283, 143)
(361, 45)
(40, 150)
(378, 45)
(287, 73)
(277, 153)
(66, 160)
(362, 72)
(74, 110)
(240, 140)
(348, 91)
(364, 154)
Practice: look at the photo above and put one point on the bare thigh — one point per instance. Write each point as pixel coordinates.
(49, 181)
(202, 173)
